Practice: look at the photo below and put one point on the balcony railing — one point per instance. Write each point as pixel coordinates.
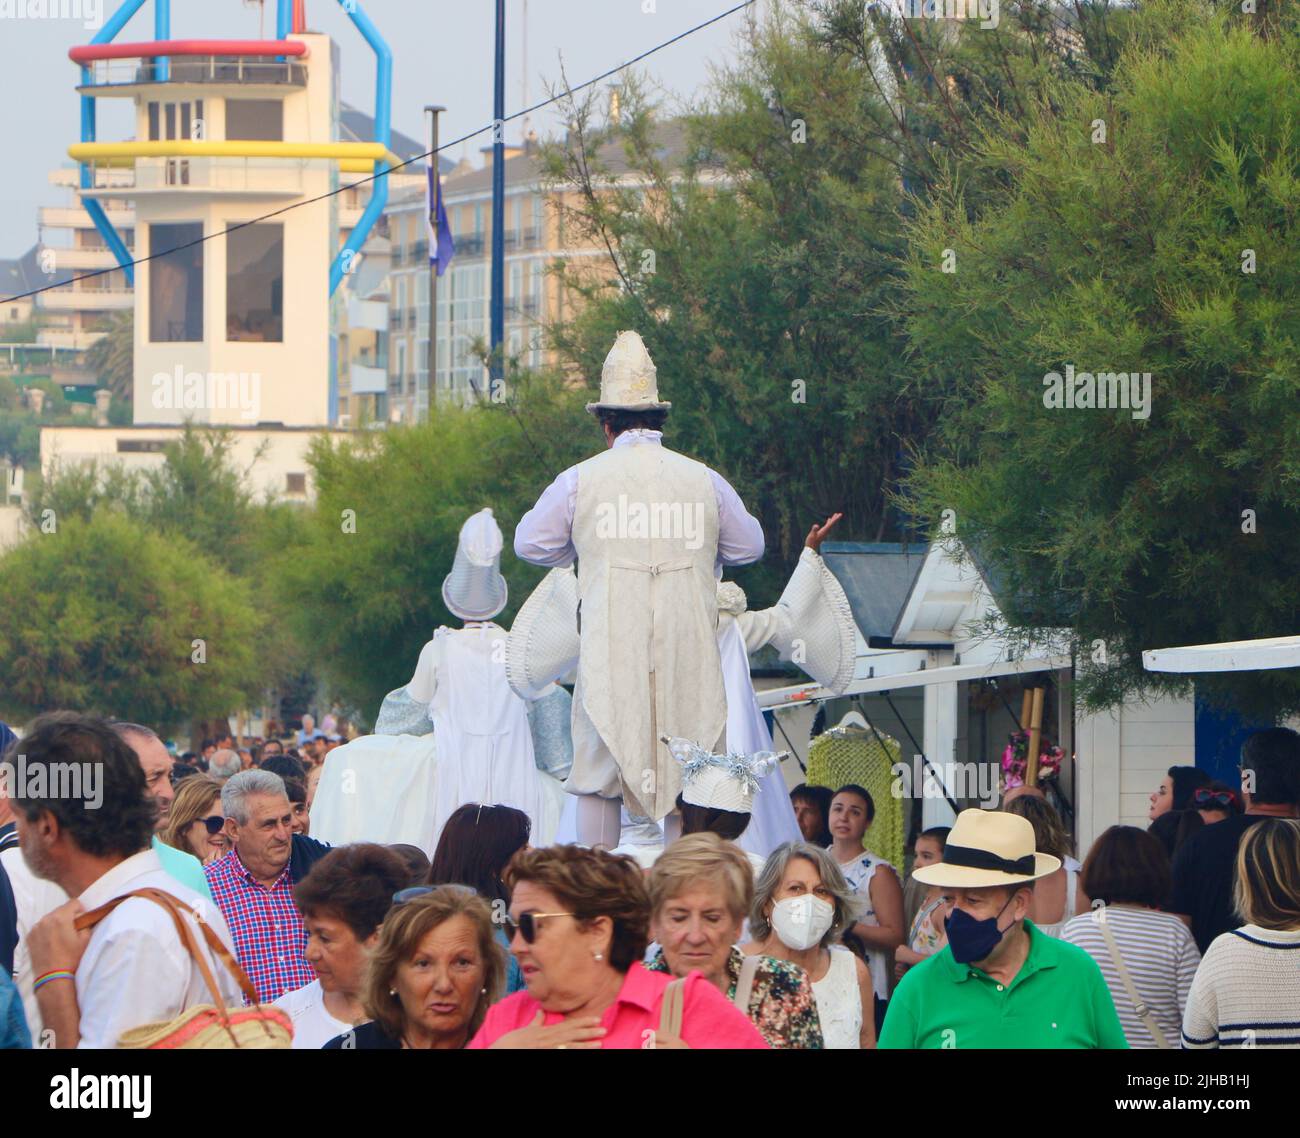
(471, 246)
(233, 69)
(419, 253)
(398, 256)
(395, 319)
(271, 176)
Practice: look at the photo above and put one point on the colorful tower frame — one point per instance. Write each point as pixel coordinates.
(291, 17)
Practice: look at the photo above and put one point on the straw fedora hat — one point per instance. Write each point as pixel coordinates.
(628, 381)
(987, 848)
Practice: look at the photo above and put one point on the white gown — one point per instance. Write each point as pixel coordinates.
(403, 788)
(772, 820)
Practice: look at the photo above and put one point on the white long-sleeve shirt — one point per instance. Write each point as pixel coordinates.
(544, 535)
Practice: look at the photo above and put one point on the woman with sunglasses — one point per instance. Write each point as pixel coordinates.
(578, 925)
(196, 823)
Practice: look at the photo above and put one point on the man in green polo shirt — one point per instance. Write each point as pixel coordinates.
(999, 982)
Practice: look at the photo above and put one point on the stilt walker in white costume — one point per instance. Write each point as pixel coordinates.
(650, 530)
(811, 625)
(455, 734)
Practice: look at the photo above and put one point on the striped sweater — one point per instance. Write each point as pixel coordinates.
(1160, 954)
(1246, 992)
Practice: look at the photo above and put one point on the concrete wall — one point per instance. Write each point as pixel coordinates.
(268, 456)
(1122, 756)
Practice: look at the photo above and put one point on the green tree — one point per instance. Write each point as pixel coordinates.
(1163, 246)
(762, 255)
(361, 578)
(112, 357)
(106, 616)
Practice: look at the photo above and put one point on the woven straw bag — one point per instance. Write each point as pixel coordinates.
(205, 1026)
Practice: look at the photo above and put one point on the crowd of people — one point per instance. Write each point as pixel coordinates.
(505, 864)
(495, 943)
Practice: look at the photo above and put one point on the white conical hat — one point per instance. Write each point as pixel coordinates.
(721, 782)
(628, 381)
(475, 589)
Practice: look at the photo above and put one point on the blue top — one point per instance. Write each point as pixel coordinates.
(514, 974)
(13, 1024)
(186, 868)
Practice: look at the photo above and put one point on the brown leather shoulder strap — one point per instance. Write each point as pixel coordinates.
(175, 907)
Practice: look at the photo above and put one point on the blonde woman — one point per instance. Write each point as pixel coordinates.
(1246, 993)
(701, 889)
(196, 823)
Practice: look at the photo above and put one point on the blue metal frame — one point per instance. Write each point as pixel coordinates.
(284, 24)
(383, 133)
(106, 34)
(162, 32)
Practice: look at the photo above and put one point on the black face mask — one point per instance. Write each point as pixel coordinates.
(972, 939)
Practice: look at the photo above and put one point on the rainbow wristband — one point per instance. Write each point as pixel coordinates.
(60, 974)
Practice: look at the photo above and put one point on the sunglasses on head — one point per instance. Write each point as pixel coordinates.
(526, 926)
(214, 822)
(412, 892)
(1220, 798)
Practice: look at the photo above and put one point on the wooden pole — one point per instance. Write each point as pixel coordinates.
(1026, 705)
(1035, 737)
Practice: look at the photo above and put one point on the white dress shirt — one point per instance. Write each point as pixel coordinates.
(544, 535)
(135, 969)
(33, 898)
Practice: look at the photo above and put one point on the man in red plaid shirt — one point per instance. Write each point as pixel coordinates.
(253, 884)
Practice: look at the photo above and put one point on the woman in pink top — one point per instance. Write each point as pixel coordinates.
(579, 924)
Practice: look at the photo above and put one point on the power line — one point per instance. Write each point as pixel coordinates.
(392, 169)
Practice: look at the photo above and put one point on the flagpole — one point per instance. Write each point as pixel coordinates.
(433, 112)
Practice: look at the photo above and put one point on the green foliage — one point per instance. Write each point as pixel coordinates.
(363, 575)
(112, 357)
(1127, 256)
(109, 612)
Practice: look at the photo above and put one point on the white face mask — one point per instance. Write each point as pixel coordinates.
(801, 922)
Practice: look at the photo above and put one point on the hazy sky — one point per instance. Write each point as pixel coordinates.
(442, 53)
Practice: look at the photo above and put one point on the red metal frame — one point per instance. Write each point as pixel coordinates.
(90, 53)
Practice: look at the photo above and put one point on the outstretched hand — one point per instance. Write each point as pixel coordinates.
(818, 533)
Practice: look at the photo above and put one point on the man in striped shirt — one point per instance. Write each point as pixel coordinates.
(253, 884)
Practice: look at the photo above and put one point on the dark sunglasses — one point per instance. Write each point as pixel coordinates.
(1224, 799)
(526, 926)
(215, 823)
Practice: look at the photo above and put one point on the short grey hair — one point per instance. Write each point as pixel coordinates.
(245, 785)
(122, 730)
(225, 764)
(847, 904)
